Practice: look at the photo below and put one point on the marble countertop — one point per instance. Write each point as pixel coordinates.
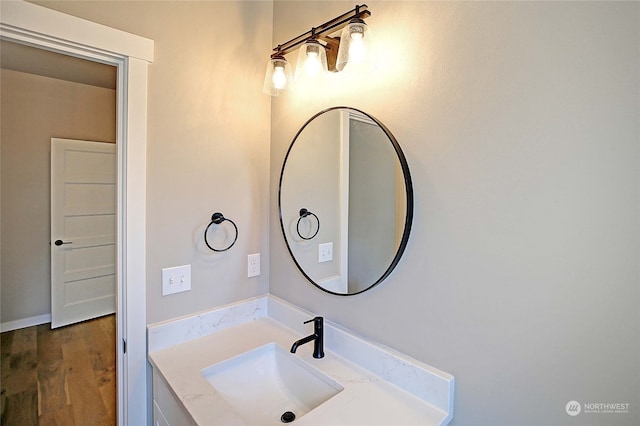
(367, 398)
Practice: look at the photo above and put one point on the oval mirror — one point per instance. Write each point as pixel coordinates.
(345, 200)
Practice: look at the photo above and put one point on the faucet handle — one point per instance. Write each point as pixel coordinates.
(313, 320)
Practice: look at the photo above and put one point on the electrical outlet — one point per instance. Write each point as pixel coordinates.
(253, 265)
(325, 252)
(176, 279)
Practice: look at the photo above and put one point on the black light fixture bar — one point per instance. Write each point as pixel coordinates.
(335, 24)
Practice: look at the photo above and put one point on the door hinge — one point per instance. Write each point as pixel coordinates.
(124, 346)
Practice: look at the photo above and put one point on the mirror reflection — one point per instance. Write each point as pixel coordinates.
(346, 201)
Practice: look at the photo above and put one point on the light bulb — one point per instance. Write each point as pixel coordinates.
(357, 50)
(312, 66)
(312, 63)
(279, 78)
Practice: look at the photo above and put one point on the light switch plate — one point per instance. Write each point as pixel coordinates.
(176, 279)
(325, 252)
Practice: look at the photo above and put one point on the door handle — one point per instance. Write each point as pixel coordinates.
(60, 242)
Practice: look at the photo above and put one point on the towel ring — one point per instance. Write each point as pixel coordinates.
(218, 218)
(305, 213)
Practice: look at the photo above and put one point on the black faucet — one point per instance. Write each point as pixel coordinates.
(317, 337)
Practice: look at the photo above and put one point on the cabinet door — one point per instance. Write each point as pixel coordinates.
(172, 411)
(158, 417)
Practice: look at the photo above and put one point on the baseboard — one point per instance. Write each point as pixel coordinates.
(25, 322)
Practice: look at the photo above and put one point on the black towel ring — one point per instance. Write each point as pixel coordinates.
(305, 213)
(218, 218)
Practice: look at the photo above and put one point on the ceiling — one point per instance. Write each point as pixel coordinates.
(19, 57)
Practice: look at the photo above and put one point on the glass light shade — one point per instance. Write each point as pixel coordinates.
(355, 46)
(278, 78)
(312, 63)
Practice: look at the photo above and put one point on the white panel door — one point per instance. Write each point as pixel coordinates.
(83, 230)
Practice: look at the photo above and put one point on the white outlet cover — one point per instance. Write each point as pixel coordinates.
(253, 265)
(176, 279)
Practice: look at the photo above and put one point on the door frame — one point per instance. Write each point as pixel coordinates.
(47, 29)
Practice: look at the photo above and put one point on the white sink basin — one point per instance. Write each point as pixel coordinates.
(264, 383)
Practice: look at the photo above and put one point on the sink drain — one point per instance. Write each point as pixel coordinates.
(287, 417)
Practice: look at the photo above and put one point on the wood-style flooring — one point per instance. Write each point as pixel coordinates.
(65, 376)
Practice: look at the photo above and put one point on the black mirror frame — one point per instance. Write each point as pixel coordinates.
(409, 197)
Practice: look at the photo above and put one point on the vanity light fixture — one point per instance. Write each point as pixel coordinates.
(319, 52)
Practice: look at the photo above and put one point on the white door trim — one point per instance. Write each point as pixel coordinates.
(343, 284)
(44, 28)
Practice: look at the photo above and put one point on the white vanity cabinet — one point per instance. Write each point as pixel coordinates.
(167, 411)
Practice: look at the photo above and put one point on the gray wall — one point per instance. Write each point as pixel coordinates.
(520, 124)
(208, 141)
